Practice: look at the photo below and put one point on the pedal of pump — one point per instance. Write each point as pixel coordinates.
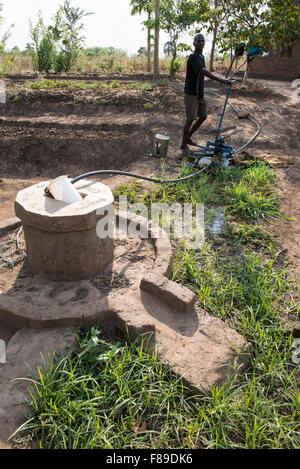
(206, 160)
(227, 163)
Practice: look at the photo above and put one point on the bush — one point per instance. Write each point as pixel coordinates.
(119, 68)
(46, 54)
(148, 107)
(174, 66)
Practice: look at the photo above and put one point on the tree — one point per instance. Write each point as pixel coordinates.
(260, 23)
(59, 45)
(156, 41)
(7, 58)
(168, 48)
(213, 17)
(6, 35)
(142, 51)
(263, 24)
(138, 6)
(67, 29)
(42, 48)
(176, 17)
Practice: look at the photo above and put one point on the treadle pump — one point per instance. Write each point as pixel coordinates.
(214, 153)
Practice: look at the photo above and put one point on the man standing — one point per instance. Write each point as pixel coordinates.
(195, 104)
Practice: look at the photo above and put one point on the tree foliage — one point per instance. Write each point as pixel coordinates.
(42, 48)
(176, 17)
(259, 23)
(68, 32)
(6, 59)
(98, 51)
(147, 6)
(57, 46)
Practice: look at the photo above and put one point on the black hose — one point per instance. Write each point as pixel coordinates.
(138, 176)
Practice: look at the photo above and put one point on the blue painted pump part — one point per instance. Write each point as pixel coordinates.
(254, 51)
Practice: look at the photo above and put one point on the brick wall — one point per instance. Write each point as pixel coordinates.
(277, 67)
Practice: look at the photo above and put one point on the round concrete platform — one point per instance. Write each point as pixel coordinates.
(133, 294)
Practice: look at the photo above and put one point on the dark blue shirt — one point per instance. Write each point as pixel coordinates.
(194, 82)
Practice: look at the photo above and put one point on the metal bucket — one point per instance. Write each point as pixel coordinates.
(161, 145)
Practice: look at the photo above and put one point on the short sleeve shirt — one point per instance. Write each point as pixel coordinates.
(194, 82)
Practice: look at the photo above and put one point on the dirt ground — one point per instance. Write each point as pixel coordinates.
(50, 132)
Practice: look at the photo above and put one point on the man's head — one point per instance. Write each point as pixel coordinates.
(199, 43)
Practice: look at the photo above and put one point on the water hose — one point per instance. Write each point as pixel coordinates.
(138, 176)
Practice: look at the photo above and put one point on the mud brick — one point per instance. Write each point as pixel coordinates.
(277, 66)
(175, 295)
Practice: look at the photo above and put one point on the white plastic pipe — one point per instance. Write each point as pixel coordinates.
(62, 190)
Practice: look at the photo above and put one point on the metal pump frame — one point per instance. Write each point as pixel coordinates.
(214, 153)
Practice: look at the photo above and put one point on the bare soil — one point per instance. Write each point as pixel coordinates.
(50, 132)
(47, 133)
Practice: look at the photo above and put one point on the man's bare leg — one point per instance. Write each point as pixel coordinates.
(186, 135)
(194, 129)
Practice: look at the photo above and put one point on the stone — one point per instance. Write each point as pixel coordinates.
(172, 293)
(134, 295)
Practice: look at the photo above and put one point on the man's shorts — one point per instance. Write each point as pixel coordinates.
(195, 107)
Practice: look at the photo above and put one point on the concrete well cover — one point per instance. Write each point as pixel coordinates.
(34, 208)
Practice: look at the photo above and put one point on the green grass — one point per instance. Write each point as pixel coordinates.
(252, 236)
(236, 190)
(226, 289)
(253, 196)
(73, 85)
(114, 395)
(245, 204)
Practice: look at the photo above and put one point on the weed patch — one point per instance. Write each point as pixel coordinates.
(73, 85)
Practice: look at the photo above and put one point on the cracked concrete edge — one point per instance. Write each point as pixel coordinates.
(232, 357)
(175, 295)
(14, 314)
(156, 282)
(52, 216)
(36, 347)
(9, 224)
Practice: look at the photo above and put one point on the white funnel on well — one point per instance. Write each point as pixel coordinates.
(63, 190)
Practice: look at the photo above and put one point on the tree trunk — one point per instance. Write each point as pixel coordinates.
(156, 41)
(149, 46)
(246, 74)
(174, 57)
(213, 48)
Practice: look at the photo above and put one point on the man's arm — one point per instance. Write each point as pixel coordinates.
(208, 74)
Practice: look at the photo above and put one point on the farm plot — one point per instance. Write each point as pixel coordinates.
(73, 125)
(49, 128)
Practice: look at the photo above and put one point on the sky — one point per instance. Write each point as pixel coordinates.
(111, 25)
